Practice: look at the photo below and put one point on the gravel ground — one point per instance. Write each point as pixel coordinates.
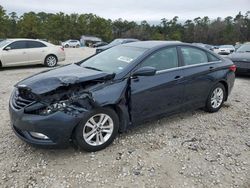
(192, 149)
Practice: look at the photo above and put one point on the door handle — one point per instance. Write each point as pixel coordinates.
(178, 77)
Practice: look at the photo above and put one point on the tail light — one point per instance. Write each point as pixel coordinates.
(232, 68)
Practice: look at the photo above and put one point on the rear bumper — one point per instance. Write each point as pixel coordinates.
(242, 67)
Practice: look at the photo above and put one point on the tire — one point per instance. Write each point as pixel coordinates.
(50, 61)
(77, 46)
(88, 133)
(66, 46)
(216, 98)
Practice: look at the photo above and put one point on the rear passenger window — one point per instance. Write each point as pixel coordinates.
(212, 58)
(192, 56)
(35, 44)
(162, 60)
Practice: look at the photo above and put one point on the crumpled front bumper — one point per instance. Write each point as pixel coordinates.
(58, 127)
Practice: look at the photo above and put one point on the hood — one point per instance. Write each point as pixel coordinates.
(63, 76)
(240, 56)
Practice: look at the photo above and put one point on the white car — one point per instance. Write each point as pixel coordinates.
(17, 52)
(225, 49)
(71, 43)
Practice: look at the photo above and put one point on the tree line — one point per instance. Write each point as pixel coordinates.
(60, 26)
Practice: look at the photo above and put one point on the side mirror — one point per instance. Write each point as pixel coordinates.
(144, 71)
(7, 48)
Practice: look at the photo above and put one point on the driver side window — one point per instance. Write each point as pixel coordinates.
(17, 45)
(162, 60)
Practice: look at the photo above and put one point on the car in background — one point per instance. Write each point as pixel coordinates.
(71, 44)
(89, 102)
(115, 43)
(17, 52)
(241, 59)
(99, 44)
(225, 49)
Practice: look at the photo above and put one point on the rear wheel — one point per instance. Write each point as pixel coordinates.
(66, 46)
(50, 61)
(216, 98)
(97, 130)
(78, 46)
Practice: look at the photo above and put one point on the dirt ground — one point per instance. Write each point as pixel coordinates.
(192, 149)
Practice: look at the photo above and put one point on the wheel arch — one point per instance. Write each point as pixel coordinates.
(224, 83)
(122, 114)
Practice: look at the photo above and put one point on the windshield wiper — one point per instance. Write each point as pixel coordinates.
(93, 68)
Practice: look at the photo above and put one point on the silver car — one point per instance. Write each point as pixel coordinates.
(16, 52)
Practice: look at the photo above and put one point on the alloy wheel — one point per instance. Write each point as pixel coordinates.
(217, 97)
(51, 61)
(98, 129)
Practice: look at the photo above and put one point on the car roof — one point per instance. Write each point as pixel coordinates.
(150, 44)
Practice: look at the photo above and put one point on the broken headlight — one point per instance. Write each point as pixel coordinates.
(59, 106)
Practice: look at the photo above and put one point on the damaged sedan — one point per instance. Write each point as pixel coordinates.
(89, 102)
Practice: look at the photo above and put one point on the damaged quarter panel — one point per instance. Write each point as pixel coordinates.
(114, 93)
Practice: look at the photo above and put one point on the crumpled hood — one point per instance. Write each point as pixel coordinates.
(240, 56)
(63, 76)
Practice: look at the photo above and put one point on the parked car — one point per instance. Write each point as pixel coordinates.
(225, 49)
(89, 102)
(16, 52)
(241, 59)
(99, 44)
(71, 44)
(115, 43)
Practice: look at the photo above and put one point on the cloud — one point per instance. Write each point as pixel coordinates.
(135, 10)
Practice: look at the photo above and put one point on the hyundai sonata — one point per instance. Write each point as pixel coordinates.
(89, 102)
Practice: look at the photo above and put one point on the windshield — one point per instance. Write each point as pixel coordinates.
(244, 48)
(116, 42)
(4, 42)
(226, 46)
(113, 60)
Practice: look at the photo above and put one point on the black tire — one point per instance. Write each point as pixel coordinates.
(78, 133)
(209, 107)
(49, 63)
(77, 46)
(66, 46)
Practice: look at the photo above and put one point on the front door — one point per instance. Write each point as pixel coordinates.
(16, 54)
(161, 93)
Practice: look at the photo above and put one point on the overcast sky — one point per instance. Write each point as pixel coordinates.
(133, 10)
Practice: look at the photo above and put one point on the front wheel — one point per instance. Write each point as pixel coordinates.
(216, 98)
(97, 130)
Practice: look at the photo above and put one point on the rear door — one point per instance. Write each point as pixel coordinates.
(161, 93)
(200, 73)
(16, 55)
(36, 51)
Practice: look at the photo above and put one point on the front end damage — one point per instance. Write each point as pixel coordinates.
(48, 118)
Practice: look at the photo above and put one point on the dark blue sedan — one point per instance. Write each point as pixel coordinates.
(89, 102)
